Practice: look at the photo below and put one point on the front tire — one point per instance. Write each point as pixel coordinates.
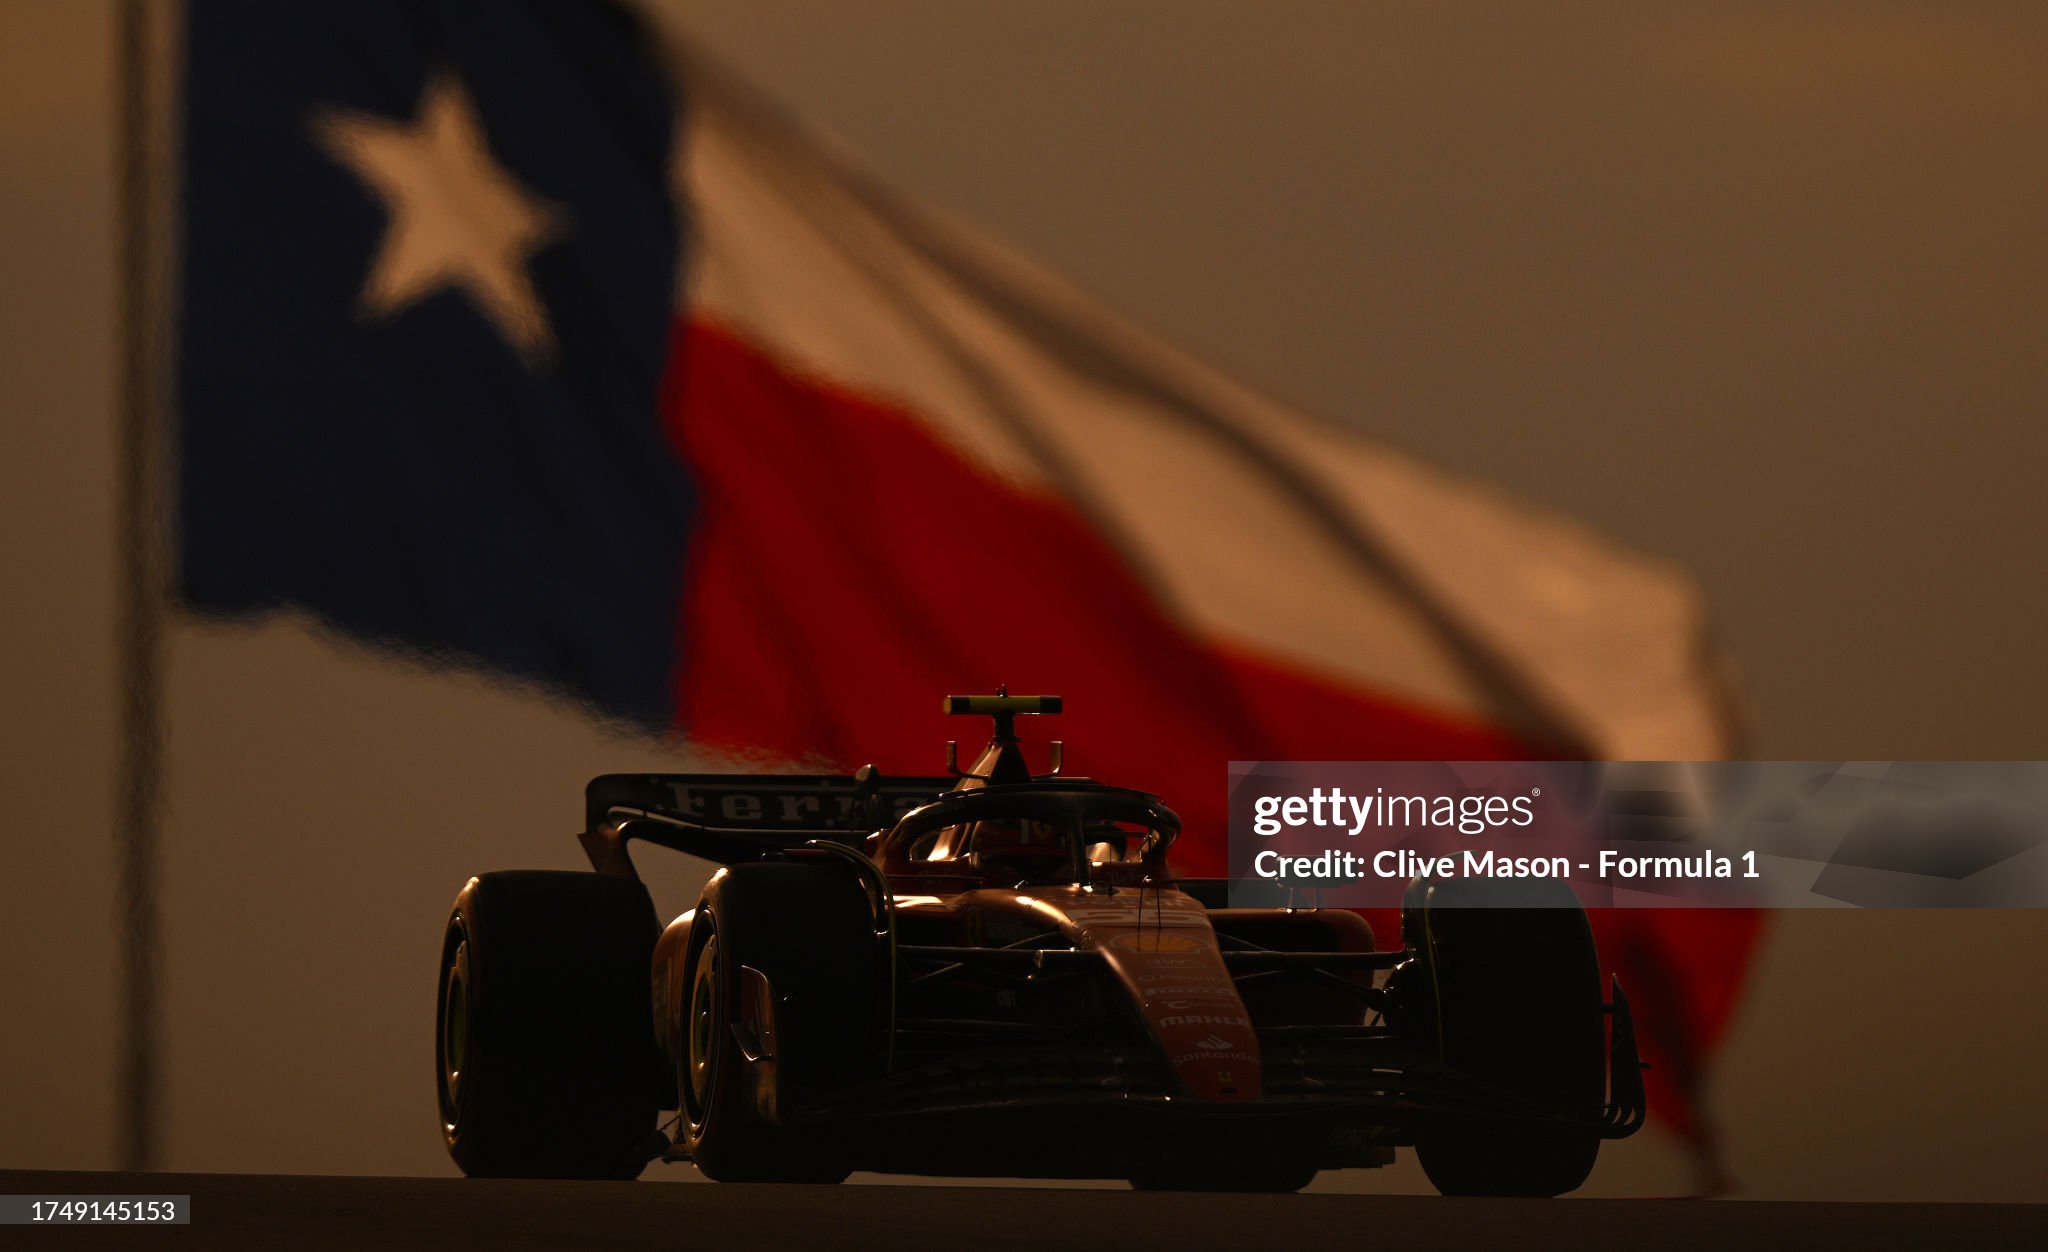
(545, 1057)
(806, 933)
(1506, 985)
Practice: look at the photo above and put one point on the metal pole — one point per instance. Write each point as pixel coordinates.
(138, 801)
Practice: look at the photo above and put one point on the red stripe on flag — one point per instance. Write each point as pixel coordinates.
(847, 570)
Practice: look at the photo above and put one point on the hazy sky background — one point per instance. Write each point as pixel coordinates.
(1759, 289)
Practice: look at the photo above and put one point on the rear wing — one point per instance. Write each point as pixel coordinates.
(732, 818)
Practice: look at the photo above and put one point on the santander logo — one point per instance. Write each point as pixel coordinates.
(1214, 1043)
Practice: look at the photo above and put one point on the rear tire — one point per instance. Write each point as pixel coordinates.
(807, 929)
(1509, 993)
(545, 1055)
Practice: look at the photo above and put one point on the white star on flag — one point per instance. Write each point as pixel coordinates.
(458, 217)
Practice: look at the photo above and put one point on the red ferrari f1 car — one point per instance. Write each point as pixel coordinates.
(996, 973)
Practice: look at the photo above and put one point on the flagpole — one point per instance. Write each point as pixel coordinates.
(138, 812)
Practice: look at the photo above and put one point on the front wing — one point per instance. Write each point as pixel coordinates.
(1349, 1094)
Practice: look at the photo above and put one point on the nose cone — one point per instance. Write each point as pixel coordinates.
(1189, 1001)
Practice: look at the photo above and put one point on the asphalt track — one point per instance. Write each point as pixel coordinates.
(272, 1212)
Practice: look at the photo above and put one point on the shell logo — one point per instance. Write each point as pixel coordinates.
(1156, 941)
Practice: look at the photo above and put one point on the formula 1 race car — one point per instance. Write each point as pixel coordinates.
(995, 973)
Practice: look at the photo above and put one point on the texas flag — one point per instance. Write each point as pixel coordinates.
(518, 336)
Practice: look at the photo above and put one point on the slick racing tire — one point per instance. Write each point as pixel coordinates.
(544, 1049)
(811, 1011)
(1509, 993)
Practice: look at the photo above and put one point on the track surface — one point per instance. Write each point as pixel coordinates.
(261, 1211)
